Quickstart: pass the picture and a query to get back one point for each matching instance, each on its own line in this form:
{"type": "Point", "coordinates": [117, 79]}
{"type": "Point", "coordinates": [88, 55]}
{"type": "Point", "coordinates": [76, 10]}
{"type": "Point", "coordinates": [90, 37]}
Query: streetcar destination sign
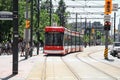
{"type": "Point", "coordinates": [5, 15]}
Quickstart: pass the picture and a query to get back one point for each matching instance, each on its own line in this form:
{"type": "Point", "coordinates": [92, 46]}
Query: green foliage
{"type": "Point", "coordinates": [21, 14]}
{"type": "Point", "coordinates": [5, 26]}
{"type": "Point", "coordinates": [61, 12]}
{"type": "Point", "coordinates": [86, 38]}
{"type": "Point", "coordinates": [3, 4]}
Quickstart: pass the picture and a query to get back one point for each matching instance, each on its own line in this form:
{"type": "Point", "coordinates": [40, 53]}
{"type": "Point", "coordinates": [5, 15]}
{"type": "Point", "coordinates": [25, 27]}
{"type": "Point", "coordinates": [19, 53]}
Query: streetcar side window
{"type": "Point", "coordinates": [65, 40]}
{"type": "Point", "coordinates": [73, 40]}
{"type": "Point", "coordinates": [77, 40]}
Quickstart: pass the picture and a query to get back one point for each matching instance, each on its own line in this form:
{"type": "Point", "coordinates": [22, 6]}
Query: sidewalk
{"type": "Point", "coordinates": [24, 66]}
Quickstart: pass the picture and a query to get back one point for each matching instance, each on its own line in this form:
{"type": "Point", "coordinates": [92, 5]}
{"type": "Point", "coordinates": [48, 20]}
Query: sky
{"type": "Point", "coordinates": [88, 3]}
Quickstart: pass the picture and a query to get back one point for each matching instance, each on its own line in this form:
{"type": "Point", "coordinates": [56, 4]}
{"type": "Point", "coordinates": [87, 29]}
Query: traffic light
{"type": "Point", "coordinates": [93, 30]}
{"type": "Point", "coordinates": [108, 7]}
{"type": "Point", "coordinates": [27, 24]}
{"type": "Point", "coordinates": [107, 25]}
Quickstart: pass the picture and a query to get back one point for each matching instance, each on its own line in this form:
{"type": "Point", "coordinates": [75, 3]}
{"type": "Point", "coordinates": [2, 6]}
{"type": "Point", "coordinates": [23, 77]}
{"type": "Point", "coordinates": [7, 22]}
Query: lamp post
{"type": "Point", "coordinates": [76, 31]}
{"type": "Point", "coordinates": [114, 25]}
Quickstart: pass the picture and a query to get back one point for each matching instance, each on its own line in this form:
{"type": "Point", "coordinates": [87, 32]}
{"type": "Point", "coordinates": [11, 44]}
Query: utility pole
{"type": "Point", "coordinates": [31, 28]}
{"type": "Point", "coordinates": [107, 25]}
{"type": "Point", "coordinates": [114, 25]}
{"type": "Point", "coordinates": [27, 31]}
{"type": "Point", "coordinates": [38, 18]}
{"type": "Point", "coordinates": [76, 31]}
{"type": "Point", "coordinates": [15, 37]}
{"type": "Point", "coordinates": [50, 12]}
{"type": "Point", "coordinates": [106, 45]}
{"type": "Point", "coordinates": [85, 25]}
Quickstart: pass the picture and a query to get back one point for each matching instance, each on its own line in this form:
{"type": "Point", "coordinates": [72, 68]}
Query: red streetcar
{"type": "Point", "coordinates": [60, 40]}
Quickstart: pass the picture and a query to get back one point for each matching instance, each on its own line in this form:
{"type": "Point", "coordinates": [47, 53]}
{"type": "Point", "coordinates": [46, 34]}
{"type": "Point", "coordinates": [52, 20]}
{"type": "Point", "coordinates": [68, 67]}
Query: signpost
{"type": "Point", "coordinates": [108, 10]}
{"type": "Point", "coordinates": [115, 7]}
{"type": "Point", "coordinates": [15, 37]}
{"type": "Point", "coordinates": [6, 15]}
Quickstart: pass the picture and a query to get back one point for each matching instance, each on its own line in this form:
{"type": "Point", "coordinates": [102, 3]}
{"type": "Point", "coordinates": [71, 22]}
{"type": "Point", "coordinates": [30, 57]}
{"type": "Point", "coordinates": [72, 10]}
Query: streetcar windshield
{"type": "Point", "coordinates": [54, 38]}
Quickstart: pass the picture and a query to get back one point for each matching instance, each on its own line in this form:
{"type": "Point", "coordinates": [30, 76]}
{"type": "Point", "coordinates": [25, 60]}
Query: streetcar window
{"type": "Point", "coordinates": [73, 40]}
{"type": "Point", "coordinates": [54, 38]}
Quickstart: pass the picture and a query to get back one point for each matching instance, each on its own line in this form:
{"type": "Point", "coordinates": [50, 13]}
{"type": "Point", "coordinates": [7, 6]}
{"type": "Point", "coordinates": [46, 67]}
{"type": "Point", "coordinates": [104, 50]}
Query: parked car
{"type": "Point", "coordinates": [115, 51]}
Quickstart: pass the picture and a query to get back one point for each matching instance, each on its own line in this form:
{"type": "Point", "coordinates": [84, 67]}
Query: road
{"type": "Point", "coordinates": [87, 65]}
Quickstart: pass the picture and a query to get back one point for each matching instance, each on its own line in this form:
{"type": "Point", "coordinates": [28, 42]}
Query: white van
{"type": "Point", "coordinates": [115, 51]}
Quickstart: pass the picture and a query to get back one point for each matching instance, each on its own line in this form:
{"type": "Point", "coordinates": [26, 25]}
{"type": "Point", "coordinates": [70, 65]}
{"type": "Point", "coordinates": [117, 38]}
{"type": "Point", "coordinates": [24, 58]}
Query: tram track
{"type": "Point", "coordinates": [88, 55]}
{"type": "Point", "coordinates": [51, 69]}
{"type": "Point", "coordinates": [76, 66]}
{"type": "Point", "coordinates": [103, 62]}
{"type": "Point", "coordinates": [71, 69]}
{"type": "Point", "coordinates": [39, 70]}
{"type": "Point", "coordinates": [44, 69]}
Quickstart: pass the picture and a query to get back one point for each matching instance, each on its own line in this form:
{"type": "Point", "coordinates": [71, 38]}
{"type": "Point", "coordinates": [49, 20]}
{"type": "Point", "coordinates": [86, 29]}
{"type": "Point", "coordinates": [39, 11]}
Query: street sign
{"type": "Point", "coordinates": [107, 18]}
{"type": "Point", "coordinates": [115, 7]}
{"type": "Point", "coordinates": [5, 15]}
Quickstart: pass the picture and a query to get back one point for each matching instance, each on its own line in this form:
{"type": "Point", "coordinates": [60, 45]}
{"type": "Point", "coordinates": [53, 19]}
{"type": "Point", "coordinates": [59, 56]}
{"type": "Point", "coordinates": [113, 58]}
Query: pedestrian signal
{"type": "Point", "coordinates": [108, 6]}
{"type": "Point", "coordinates": [27, 24]}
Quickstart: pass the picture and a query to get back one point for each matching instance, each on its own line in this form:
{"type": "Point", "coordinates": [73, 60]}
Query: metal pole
{"type": "Point", "coordinates": [106, 45]}
{"type": "Point", "coordinates": [38, 27]}
{"type": "Point", "coordinates": [15, 37]}
{"type": "Point", "coordinates": [50, 12]}
{"type": "Point", "coordinates": [85, 24]}
{"type": "Point", "coordinates": [26, 31]}
{"type": "Point", "coordinates": [89, 32]}
{"type": "Point", "coordinates": [85, 43]}
{"type": "Point", "coordinates": [31, 28]}
{"type": "Point", "coordinates": [38, 13]}
{"type": "Point", "coordinates": [89, 35]}
{"type": "Point", "coordinates": [75, 33]}
{"type": "Point", "coordinates": [114, 25]}
{"type": "Point", "coordinates": [60, 19]}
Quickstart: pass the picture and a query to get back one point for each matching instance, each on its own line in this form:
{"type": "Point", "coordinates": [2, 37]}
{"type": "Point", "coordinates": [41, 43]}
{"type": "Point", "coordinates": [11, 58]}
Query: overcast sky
{"type": "Point", "coordinates": [94, 2]}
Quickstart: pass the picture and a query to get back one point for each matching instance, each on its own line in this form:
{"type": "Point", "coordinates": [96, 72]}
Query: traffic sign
{"type": "Point", "coordinates": [106, 18]}
{"type": "Point", "coordinates": [115, 7]}
{"type": "Point", "coordinates": [5, 15]}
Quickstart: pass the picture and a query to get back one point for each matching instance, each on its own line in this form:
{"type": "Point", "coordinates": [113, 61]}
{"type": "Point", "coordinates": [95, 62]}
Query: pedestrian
{"type": "Point", "coordinates": [22, 47]}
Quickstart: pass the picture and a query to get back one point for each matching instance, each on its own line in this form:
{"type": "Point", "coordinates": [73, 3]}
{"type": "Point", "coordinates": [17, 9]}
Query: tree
{"type": "Point", "coordinates": [21, 22]}
{"type": "Point", "coordinates": [61, 13]}
{"type": "Point", "coordinates": [5, 26]}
